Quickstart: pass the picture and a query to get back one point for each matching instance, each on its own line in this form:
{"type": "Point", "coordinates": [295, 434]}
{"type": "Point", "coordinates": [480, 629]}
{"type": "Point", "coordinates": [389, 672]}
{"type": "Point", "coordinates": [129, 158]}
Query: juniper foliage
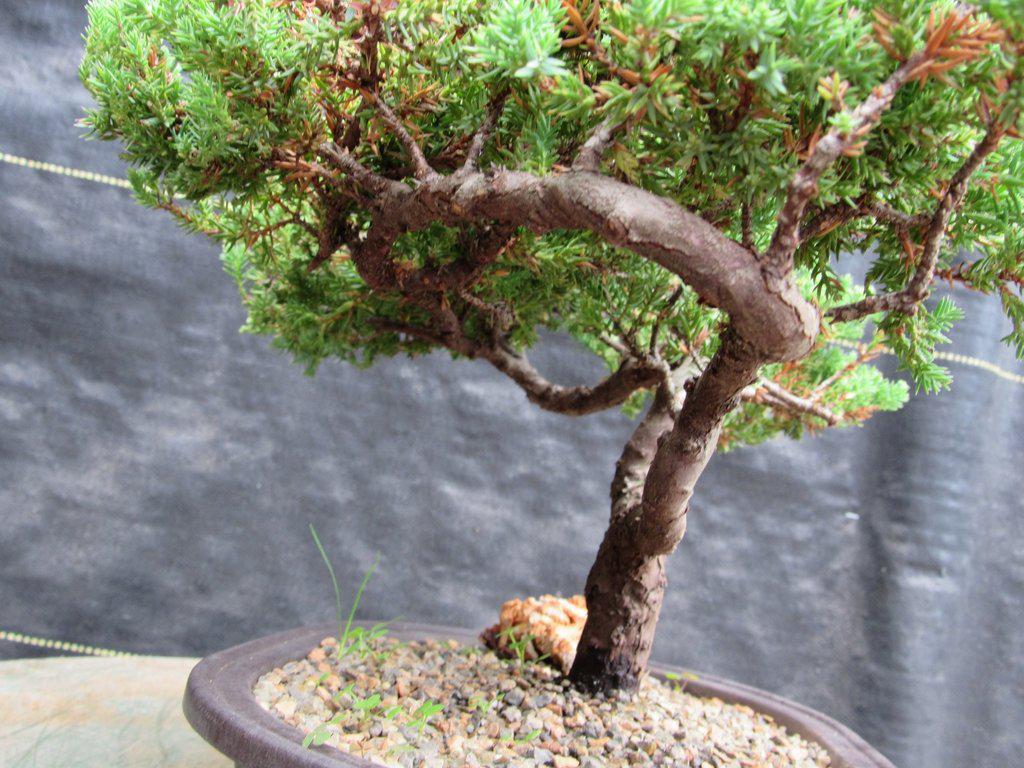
{"type": "Point", "coordinates": [222, 108]}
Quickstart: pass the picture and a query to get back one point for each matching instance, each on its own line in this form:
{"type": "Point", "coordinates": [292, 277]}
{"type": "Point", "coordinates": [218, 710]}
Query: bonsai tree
{"type": "Point", "coordinates": [673, 183]}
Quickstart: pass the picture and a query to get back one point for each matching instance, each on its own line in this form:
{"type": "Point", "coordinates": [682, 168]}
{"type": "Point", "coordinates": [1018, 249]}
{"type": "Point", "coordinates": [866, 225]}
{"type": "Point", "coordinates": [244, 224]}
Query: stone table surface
{"type": "Point", "coordinates": [75, 712]}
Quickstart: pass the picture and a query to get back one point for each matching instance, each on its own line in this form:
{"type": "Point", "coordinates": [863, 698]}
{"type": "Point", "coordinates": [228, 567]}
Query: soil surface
{"type": "Point", "coordinates": [431, 704]}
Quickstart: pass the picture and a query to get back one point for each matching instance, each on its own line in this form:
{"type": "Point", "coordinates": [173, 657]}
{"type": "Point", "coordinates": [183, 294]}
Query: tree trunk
{"type": "Point", "coordinates": [625, 587]}
{"type": "Point", "coordinates": [653, 484]}
{"type": "Point", "coordinates": [624, 593]}
{"type": "Point", "coordinates": [769, 321]}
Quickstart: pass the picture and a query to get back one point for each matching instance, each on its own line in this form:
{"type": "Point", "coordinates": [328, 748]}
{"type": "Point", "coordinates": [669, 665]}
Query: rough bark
{"type": "Point", "coordinates": [614, 390]}
{"type": "Point", "coordinates": [624, 588]}
{"type": "Point", "coordinates": [765, 307]}
{"type": "Point", "coordinates": [624, 595]}
{"type": "Point", "coordinates": [626, 584]}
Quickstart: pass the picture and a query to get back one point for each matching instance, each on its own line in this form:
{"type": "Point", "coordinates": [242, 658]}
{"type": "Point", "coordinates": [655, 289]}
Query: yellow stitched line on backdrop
{"type": "Point", "coordinates": [952, 357]}
{"type": "Point", "coordinates": [63, 170]}
{"type": "Point", "coordinates": [985, 365]}
{"type": "Point", "coordinates": [100, 178]}
{"type": "Point", "coordinates": [59, 645]}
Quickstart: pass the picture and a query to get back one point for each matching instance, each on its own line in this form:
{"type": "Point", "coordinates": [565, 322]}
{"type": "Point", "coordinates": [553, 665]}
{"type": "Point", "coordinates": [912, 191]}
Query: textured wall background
{"type": "Point", "coordinates": [158, 471]}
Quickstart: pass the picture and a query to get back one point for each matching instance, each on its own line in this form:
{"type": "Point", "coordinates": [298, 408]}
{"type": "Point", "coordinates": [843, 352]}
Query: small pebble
{"type": "Point", "coordinates": [543, 757]}
{"type": "Point", "coordinates": [515, 697]}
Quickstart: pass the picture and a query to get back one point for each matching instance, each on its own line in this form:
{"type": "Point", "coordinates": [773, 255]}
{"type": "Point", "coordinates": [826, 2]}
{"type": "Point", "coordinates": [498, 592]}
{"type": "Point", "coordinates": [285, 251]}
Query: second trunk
{"type": "Point", "coordinates": [624, 593]}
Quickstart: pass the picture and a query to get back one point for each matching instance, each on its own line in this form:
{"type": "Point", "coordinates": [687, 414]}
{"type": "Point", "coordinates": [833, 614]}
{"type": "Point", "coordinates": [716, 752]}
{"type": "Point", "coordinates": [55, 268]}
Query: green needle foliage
{"type": "Point", "coordinates": [221, 108]}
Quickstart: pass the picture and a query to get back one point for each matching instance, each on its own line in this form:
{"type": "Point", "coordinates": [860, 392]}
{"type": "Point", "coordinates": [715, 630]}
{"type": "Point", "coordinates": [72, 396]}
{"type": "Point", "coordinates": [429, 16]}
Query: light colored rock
{"type": "Point", "coordinates": [552, 625]}
{"type": "Point", "coordinates": [286, 707]}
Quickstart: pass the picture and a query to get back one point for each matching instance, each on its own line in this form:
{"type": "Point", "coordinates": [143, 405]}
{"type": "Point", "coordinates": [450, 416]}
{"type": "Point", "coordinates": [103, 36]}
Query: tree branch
{"type": "Point", "coordinates": [613, 390]}
{"type": "Point", "coordinates": [635, 461]}
{"type": "Point", "coordinates": [593, 149]}
{"type": "Point", "coordinates": [804, 186]}
{"type": "Point", "coordinates": [961, 274]}
{"type": "Point", "coordinates": [832, 216]}
{"type": "Point", "coordinates": [770, 314]}
{"type": "Point", "coordinates": [421, 168]}
{"type": "Point", "coordinates": [828, 219]}
{"type": "Point", "coordinates": [684, 453]}
{"type": "Point", "coordinates": [372, 182]}
{"type": "Point", "coordinates": [888, 214]}
{"type": "Point", "coordinates": [483, 134]}
{"type": "Point", "coordinates": [919, 287]}
{"type": "Point", "coordinates": [747, 226]}
{"type": "Point", "coordinates": [771, 393]}
{"type": "Point", "coordinates": [769, 318]}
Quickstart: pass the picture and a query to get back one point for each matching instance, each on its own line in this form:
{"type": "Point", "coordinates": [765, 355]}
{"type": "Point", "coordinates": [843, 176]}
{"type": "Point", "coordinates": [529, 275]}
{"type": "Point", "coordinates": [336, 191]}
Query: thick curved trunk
{"type": "Point", "coordinates": [765, 306]}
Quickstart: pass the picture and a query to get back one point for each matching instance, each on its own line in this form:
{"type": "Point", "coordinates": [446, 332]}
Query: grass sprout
{"type": "Point", "coordinates": [350, 637]}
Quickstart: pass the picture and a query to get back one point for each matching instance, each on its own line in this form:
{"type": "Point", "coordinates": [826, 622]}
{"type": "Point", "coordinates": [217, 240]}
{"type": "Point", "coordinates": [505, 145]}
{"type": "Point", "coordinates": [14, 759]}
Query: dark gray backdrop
{"type": "Point", "coordinates": [158, 471]}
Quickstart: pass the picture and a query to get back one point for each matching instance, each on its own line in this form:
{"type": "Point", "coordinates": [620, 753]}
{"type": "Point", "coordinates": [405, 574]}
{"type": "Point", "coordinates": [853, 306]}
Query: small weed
{"type": "Point", "coordinates": [350, 637]}
{"type": "Point", "coordinates": [422, 715]}
{"type": "Point", "coordinates": [355, 604]}
{"type": "Point", "coordinates": [483, 705]}
{"type": "Point", "coordinates": [330, 570]}
{"type": "Point", "coordinates": [348, 690]}
{"type": "Point", "coordinates": [365, 706]}
{"type": "Point", "coordinates": [360, 641]}
{"type": "Point", "coordinates": [319, 735]}
{"type": "Point", "coordinates": [519, 645]}
{"type": "Point", "coordinates": [675, 677]}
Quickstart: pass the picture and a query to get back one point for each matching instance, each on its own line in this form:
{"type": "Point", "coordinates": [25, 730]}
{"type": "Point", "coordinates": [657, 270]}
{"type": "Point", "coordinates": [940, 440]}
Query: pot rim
{"type": "Point", "coordinates": [220, 706]}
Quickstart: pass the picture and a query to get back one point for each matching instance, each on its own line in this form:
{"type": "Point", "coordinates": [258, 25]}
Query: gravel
{"type": "Point", "coordinates": [377, 701]}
